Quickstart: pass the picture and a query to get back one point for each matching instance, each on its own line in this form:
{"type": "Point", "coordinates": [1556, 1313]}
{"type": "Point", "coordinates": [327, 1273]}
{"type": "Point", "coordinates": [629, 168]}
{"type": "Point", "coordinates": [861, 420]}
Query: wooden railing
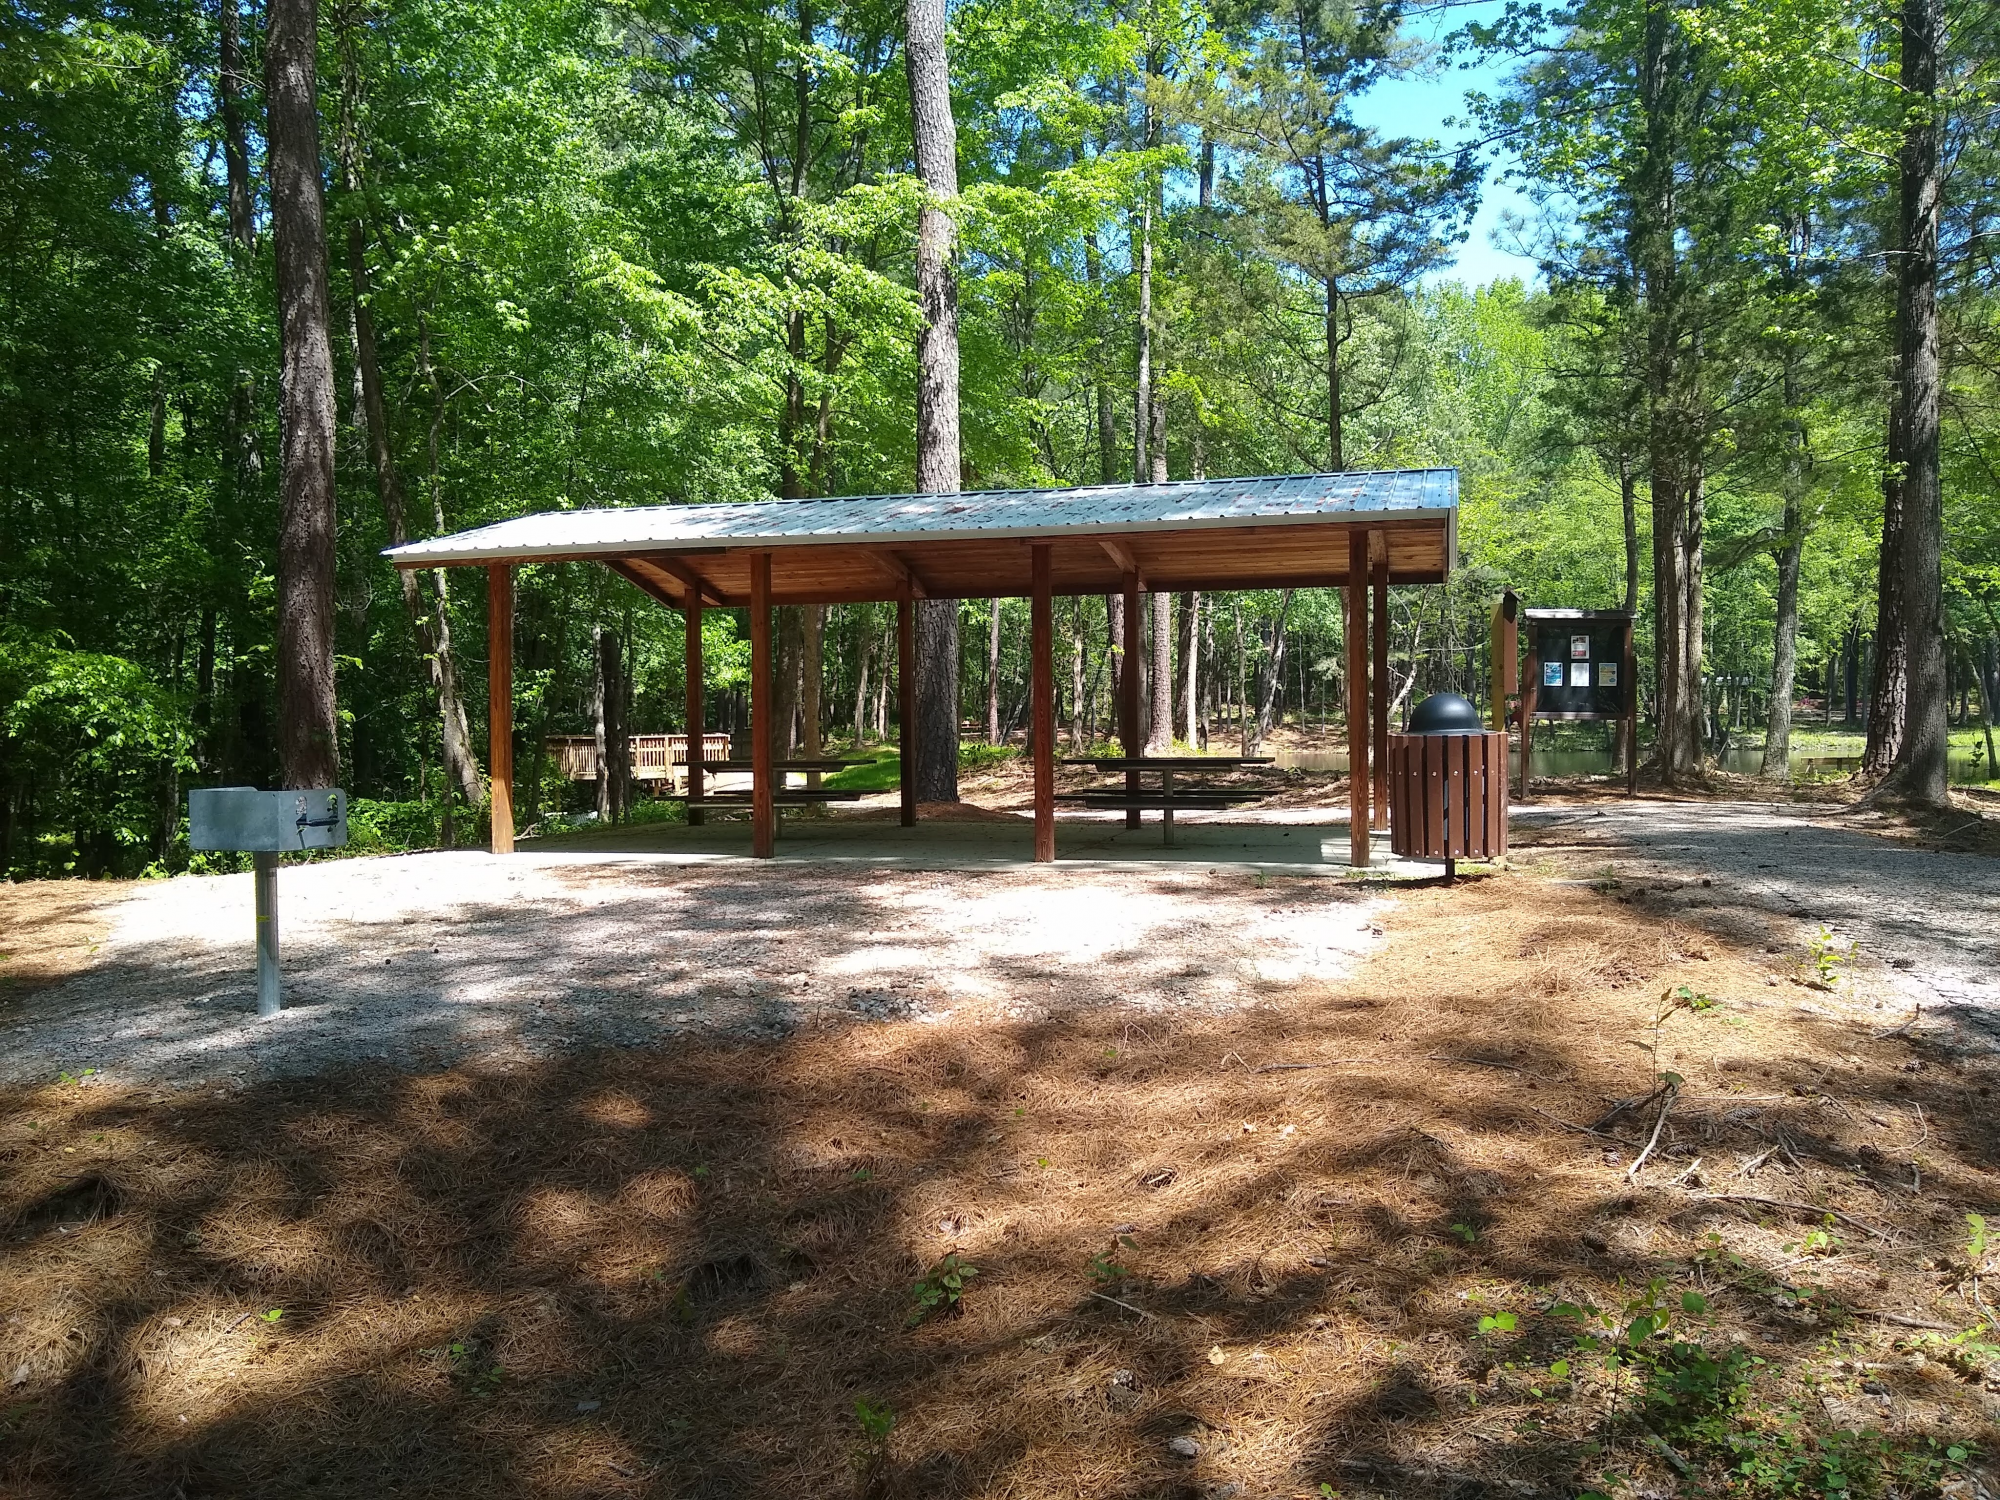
{"type": "Point", "coordinates": [655, 757]}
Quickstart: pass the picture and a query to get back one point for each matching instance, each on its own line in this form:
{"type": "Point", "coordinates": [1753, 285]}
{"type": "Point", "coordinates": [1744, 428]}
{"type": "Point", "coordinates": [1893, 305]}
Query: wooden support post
{"type": "Point", "coordinates": [763, 805]}
{"type": "Point", "coordinates": [1530, 689]}
{"type": "Point", "coordinates": [1378, 760]}
{"type": "Point", "coordinates": [1131, 741]}
{"type": "Point", "coordinates": [1041, 648]}
{"type": "Point", "coordinates": [906, 702]}
{"type": "Point", "coordinates": [1630, 658]}
{"type": "Point", "coordinates": [697, 711]}
{"type": "Point", "coordinates": [1504, 669]}
{"type": "Point", "coordinates": [1357, 698]}
{"type": "Point", "coordinates": [500, 701]}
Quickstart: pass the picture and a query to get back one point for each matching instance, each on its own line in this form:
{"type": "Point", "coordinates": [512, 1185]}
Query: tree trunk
{"type": "Point", "coordinates": [812, 684]}
{"type": "Point", "coordinates": [993, 677]}
{"type": "Point", "coordinates": [1785, 648]}
{"type": "Point", "coordinates": [1919, 772]}
{"type": "Point", "coordinates": [602, 644]}
{"type": "Point", "coordinates": [433, 636]}
{"type": "Point", "coordinates": [1114, 626]}
{"type": "Point", "coordinates": [1142, 406]}
{"type": "Point", "coordinates": [1275, 673]}
{"type": "Point", "coordinates": [1628, 493]}
{"type": "Point", "coordinates": [936, 140]}
{"type": "Point", "coordinates": [1185, 710]}
{"type": "Point", "coordinates": [1336, 456]}
{"type": "Point", "coordinates": [1076, 681]}
{"type": "Point", "coordinates": [1160, 725]}
{"type": "Point", "coordinates": [309, 728]}
{"type": "Point", "coordinates": [1889, 677]}
{"type": "Point", "coordinates": [1107, 421]}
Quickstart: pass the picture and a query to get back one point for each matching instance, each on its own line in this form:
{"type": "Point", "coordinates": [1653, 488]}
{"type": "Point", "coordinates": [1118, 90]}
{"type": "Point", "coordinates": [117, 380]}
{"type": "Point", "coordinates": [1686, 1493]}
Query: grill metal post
{"type": "Point", "coordinates": [270, 985]}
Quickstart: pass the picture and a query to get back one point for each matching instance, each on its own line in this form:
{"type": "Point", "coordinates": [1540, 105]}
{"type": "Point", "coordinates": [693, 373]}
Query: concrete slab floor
{"type": "Point", "coordinates": [1297, 847]}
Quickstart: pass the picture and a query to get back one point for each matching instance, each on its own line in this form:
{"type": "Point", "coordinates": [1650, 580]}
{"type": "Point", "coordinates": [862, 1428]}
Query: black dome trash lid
{"type": "Point", "coordinates": [1445, 713]}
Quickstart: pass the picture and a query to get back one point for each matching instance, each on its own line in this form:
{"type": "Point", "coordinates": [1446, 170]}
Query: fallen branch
{"type": "Point", "coordinates": [1915, 1016]}
{"type": "Point", "coordinates": [1903, 1322]}
{"type": "Point", "coordinates": [1625, 1106]}
{"type": "Point", "coordinates": [1487, 1062]}
{"type": "Point", "coordinates": [1602, 1135]}
{"type": "Point", "coordinates": [1126, 1305]}
{"type": "Point", "coordinates": [1298, 1067]}
{"type": "Point", "coordinates": [1803, 1208]}
{"type": "Point", "coordinates": [1658, 1125]}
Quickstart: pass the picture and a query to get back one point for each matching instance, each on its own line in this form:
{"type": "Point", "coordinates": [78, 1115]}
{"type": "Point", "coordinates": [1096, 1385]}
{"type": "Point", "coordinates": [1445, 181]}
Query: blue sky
{"type": "Point", "coordinates": [1419, 104]}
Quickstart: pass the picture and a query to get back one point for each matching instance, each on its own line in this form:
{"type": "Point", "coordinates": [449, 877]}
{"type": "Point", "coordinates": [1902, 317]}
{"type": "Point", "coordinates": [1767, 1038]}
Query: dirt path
{"type": "Point", "coordinates": [429, 959]}
{"type": "Point", "coordinates": [1929, 921]}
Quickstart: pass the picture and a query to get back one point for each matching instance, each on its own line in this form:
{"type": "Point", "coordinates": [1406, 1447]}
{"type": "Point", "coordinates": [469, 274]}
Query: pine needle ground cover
{"type": "Point", "coordinates": [1380, 1236]}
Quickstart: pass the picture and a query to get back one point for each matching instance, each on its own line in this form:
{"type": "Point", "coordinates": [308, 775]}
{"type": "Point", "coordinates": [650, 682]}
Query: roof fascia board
{"type": "Point", "coordinates": [1387, 520]}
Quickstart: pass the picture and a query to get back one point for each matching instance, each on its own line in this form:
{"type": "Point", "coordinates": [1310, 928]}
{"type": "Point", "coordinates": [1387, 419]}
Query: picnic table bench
{"type": "Point", "coordinates": [781, 795]}
{"type": "Point", "coordinates": [1134, 797]}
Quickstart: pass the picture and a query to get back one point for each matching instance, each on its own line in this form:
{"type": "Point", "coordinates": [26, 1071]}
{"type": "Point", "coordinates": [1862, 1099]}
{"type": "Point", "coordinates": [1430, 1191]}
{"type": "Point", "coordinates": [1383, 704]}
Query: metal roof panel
{"type": "Point", "coordinates": [1108, 509]}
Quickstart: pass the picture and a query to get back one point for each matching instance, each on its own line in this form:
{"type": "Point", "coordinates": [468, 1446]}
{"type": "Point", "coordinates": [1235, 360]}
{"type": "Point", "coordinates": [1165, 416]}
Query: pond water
{"type": "Point", "coordinates": [1740, 760]}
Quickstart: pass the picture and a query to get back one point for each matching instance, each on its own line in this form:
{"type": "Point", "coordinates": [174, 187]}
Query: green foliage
{"type": "Point", "coordinates": [1826, 956]}
{"type": "Point", "coordinates": [940, 1291]}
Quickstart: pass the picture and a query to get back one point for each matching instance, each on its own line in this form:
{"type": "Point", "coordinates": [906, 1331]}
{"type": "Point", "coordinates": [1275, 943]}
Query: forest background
{"type": "Point", "coordinates": [586, 255]}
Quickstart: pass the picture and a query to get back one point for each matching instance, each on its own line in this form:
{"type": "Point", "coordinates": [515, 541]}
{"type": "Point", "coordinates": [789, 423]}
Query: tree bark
{"type": "Point", "coordinates": [1185, 685]}
{"type": "Point", "coordinates": [1785, 647]}
{"type": "Point", "coordinates": [601, 642]}
{"type": "Point", "coordinates": [1628, 494]}
{"type": "Point", "coordinates": [1160, 725]}
{"type": "Point", "coordinates": [1919, 772]}
{"type": "Point", "coordinates": [1142, 405]}
{"type": "Point", "coordinates": [433, 635]}
{"type": "Point", "coordinates": [308, 733]}
{"type": "Point", "coordinates": [936, 140]}
{"type": "Point", "coordinates": [993, 677]}
{"type": "Point", "coordinates": [1336, 452]}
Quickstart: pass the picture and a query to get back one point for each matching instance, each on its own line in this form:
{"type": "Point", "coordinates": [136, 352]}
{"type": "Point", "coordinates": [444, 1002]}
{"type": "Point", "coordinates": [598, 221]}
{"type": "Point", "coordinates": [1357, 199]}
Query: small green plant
{"type": "Point", "coordinates": [1104, 1270]}
{"type": "Point", "coordinates": [1693, 998]}
{"type": "Point", "coordinates": [273, 1316]}
{"type": "Point", "coordinates": [1500, 1322]}
{"type": "Point", "coordinates": [940, 1292]}
{"type": "Point", "coordinates": [701, 1172]}
{"type": "Point", "coordinates": [68, 1077]}
{"type": "Point", "coordinates": [472, 1368]}
{"type": "Point", "coordinates": [1466, 1232]}
{"type": "Point", "coordinates": [863, 1174]}
{"type": "Point", "coordinates": [1826, 955]}
{"type": "Point", "coordinates": [877, 1422]}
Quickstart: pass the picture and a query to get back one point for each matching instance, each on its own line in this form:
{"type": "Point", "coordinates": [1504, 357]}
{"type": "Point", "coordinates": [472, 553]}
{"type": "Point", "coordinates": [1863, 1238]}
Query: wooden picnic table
{"type": "Point", "coordinates": [1135, 798]}
{"type": "Point", "coordinates": [785, 765]}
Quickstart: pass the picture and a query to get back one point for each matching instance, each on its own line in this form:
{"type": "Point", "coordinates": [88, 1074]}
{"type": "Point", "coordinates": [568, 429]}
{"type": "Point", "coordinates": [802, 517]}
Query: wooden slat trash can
{"type": "Point", "coordinates": [1448, 785]}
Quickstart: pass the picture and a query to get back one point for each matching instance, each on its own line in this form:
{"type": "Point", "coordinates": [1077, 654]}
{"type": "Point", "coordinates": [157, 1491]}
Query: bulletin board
{"type": "Point", "coordinates": [1580, 661]}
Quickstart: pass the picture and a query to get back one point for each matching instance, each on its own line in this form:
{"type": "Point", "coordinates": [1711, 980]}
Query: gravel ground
{"type": "Point", "coordinates": [1928, 922]}
{"type": "Point", "coordinates": [427, 959]}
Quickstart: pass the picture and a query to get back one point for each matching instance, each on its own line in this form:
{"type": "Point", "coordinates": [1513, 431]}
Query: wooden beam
{"type": "Point", "coordinates": [697, 711]}
{"type": "Point", "coordinates": [1504, 669]}
{"type": "Point", "coordinates": [500, 702]}
{"type": "Point", "coordinates": [1378, 760]}
{"type": "Point", "coordinates": [650, 587]}
{"type": "Point", "coordinates": [899, 569]}
{"type": "Point", "coordinates": [763, 809]}
{"type": "Point", "coordinates": [1357, 699]}
{"type": "Point", "coordinates": [674, 567]}
{"type": "Point", "coordinates": [1041, 672]}
{"type": "Point", "coordinates": [1121, 554]}
{"type": "Point", "coordinates": [1130, 741]}
{"type": "Point", "coordinates": [906, 705]}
